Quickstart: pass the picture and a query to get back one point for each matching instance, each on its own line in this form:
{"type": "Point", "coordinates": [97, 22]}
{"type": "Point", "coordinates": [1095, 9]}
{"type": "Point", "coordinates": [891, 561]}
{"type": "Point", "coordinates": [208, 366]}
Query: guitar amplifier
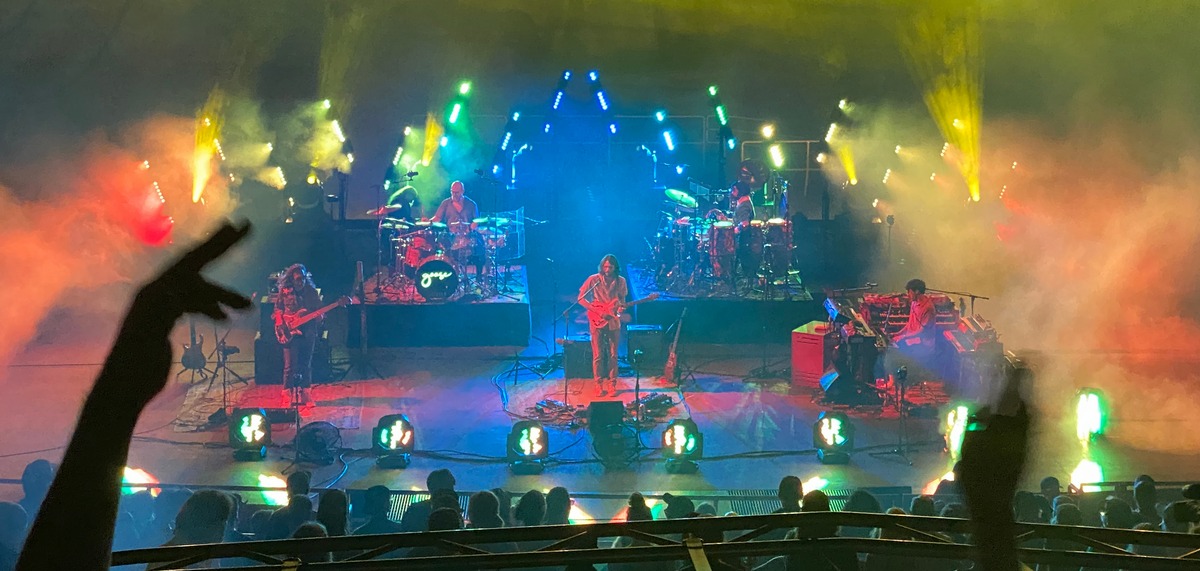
{"type": "Point", "coordinates": [577, 356]}
{"type": "Point", "coordinates": [649, 340]}
{"type": "Point", "coordinates": [268, 360]}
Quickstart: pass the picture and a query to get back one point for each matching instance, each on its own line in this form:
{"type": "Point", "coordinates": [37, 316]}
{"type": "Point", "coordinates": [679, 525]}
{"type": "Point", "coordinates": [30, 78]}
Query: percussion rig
{"type": "Point", "coordinates": [699, 251]}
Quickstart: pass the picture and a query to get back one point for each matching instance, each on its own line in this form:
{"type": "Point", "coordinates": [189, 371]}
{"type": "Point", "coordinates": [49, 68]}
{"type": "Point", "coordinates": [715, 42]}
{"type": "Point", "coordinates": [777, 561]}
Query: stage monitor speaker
{"type": "Point", "coordinates": [606, 420]}
{"type": "Point", "coordinates": [649, 340]}
{"type": "Point", "coordinates": [577, 357]}
{"type": "Point", "coordinates": [603, 414]}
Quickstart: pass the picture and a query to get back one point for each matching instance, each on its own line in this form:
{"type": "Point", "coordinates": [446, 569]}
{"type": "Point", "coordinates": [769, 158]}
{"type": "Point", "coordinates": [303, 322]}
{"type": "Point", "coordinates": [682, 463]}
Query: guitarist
{"type": "Point", "coordinates": [298, 294]}
{"type": "Point", "coordinates": [606, 288]}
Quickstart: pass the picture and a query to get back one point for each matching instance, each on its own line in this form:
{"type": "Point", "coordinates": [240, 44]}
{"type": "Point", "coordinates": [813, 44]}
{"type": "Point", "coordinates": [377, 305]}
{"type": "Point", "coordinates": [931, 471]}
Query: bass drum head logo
{"type": "Point", "coordinates": [436, 278]}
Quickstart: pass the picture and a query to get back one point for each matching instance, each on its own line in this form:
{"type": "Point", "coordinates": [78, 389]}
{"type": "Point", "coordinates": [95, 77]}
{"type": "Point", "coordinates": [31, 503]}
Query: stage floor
{"type": "Point", "coordinates": [755, 431]}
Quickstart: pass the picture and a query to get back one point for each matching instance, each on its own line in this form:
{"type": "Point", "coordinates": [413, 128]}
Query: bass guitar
{"type": "Point", "coordinates": [287, 325]}
{"type": "Point", "coordinates": [671, 369]}
{"type": "Point", "coordinates": [602, 315]}
{"type": "Point", "coordinates": [193, 358]}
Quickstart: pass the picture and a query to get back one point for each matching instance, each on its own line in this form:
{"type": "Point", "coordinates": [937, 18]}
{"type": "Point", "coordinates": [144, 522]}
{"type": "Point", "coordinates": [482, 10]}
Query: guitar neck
{"type": "Point", "coordinates": [643, 300]}
{"type": "Point", "coordinates": [318, 313]}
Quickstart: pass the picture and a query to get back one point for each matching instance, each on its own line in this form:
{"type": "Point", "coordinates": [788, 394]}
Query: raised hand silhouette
{"type": "Point", "coordinates": [994, 451]}
{"type": "Point", "coordinates": [74, 527]}
{"type": "Point", "coordinates": [142, 353]}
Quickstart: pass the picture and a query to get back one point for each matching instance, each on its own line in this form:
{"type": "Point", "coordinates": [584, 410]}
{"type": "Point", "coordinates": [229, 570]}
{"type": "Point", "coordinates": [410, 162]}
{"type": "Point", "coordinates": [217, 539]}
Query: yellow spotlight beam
{"type": "Point", "coordinates": [208, 129]}
{"type": "Point", "coordinates": [942, 48]}
{"type": "Point", "coordinates": [433, 138]}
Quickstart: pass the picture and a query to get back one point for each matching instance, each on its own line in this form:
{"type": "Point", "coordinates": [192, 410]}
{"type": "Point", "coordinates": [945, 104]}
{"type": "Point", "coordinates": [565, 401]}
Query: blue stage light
{"type": "Point", "coordinates": [516, 115]}
{"type": "Point", "coordinates": [507, 139]}
{"type": "Point", "coordinates": [678, 169]}
{"type": "Point", "coordinates": [660, 116]}
{"type": "Point", "coordinates": [557, 99]}
{"type": "Point", "coordinates": [495, 169]}
{"type": "Point", "coordinates": [446, 140]}
{"type": "Point", "coordinates": [592, 75]}
{"type": "Point", "coordinates": [547, 129]}
{"type": "Point", "coordinates": [731, 143]}
{"type": "Point", "coordinates": [603, 102]}
{"type": "Point", "coordinates": [612, 127]}
{"type": "Point", "coordinates": [567, 75]}
{"type": "Point", "coordinates": [670, 141]}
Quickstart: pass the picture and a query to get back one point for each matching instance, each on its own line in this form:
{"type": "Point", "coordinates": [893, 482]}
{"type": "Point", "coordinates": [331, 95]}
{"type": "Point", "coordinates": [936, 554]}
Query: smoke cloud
{"type": "Point", "coordinates": [1084, 247]}
{"type": "Point", "coordinates": [93, 218]}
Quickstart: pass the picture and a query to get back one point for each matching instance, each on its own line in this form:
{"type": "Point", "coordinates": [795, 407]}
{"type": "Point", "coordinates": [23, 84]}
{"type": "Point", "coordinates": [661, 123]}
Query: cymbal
{"type": "Point", "coordinates": [384, 210]}
{"type": "Point", "coordinates": [395, 224]}
{"type": "Point", "coordinates": [491, 221]}
{"type": "Point", "coordinates": [681, 198]}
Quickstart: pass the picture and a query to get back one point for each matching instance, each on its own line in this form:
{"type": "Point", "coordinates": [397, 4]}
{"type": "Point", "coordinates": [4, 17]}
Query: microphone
{"type": "Point", "coordinates": [411, 174]}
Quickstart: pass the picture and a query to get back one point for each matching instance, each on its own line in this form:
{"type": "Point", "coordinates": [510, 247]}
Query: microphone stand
{"type": "Point", "coordinates": [567, 334]}
{"type": "Point", "coordinates": [961, 294]}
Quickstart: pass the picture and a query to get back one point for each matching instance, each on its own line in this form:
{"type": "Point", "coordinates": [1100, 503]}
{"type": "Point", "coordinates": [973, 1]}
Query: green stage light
{"type": "Point", "coordinates": [954, 428]}
{"type": "Point", "coordinates": [1091, 414]}
{"type": "Point", "coordinates": [249, 433]}
{"type": "Point", "coordinates": [393, 440]}
{"type": "Point", "coordinates": [682, 445]}
{"type": "Point", "coordinates": [776, 153]}
{"type": "Point", "coordinates": [528, 447]}
{"type": "Point", "coordinates": [833, 437]}
{"type": "Point", "coordinates": [464, 88]}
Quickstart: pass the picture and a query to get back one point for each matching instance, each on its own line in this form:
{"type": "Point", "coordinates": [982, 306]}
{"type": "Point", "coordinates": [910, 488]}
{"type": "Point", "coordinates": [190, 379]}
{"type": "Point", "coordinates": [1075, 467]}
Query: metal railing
{"type": "Point", "coordinates": [675, 540]}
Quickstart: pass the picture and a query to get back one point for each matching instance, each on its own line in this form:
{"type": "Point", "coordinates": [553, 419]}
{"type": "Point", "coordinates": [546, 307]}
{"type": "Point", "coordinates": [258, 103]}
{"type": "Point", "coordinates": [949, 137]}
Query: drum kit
{"type": "Point", "coordinates": [700, 254]}
{"type": "Point", "coordinates": [431, 259]}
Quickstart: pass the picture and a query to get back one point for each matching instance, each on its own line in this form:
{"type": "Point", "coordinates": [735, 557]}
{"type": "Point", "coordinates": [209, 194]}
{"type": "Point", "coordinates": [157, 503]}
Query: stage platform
{"type": "Point", "coordinates": [464, 321]}
{"type": "Point", "coordinates": [726, 317]}
{"type": "Point", "coordinates": [463, 404]}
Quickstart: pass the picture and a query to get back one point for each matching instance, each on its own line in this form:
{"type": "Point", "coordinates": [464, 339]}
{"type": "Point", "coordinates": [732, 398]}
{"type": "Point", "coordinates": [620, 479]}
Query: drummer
{"type": "Point", "coordinates": [458, 212]}
{"type": "Point", "coordinates": [405, 204]}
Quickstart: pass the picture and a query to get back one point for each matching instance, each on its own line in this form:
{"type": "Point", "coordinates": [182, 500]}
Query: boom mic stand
{"type": "Point", "coordinates": [961, 294]}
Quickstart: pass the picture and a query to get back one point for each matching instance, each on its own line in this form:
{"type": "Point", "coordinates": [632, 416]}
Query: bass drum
{"type": "Point", "coordinates": [437, 278]}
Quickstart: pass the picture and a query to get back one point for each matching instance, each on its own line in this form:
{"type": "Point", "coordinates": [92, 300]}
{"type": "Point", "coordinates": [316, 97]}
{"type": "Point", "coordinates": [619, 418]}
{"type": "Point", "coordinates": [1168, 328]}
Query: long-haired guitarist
{"type": "Point", "coordinates": [297, 294]}
{"type": "Point", "coordinates": [607, 290]}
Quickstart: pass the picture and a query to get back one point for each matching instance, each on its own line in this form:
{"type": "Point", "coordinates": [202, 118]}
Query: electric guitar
{"type": "Point", "coordinates": [287, 325]}
{"type": "Point", "coordinates": [193, 358]}
{"type": "Point", "coordinates": [601, 315]}
{"type": "Point", "coordinates": [669, 371]}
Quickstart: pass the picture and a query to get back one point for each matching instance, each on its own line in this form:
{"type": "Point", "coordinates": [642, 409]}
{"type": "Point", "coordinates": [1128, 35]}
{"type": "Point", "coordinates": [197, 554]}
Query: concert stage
{"type": "Point", "coordinates": [499, 320]}
{"type": "Point", "coordinates": [747, 319]}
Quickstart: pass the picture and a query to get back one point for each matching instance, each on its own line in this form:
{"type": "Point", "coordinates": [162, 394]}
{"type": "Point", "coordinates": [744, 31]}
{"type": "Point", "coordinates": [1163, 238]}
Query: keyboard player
{"type": "Point", "coordinates": [913, 346]}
